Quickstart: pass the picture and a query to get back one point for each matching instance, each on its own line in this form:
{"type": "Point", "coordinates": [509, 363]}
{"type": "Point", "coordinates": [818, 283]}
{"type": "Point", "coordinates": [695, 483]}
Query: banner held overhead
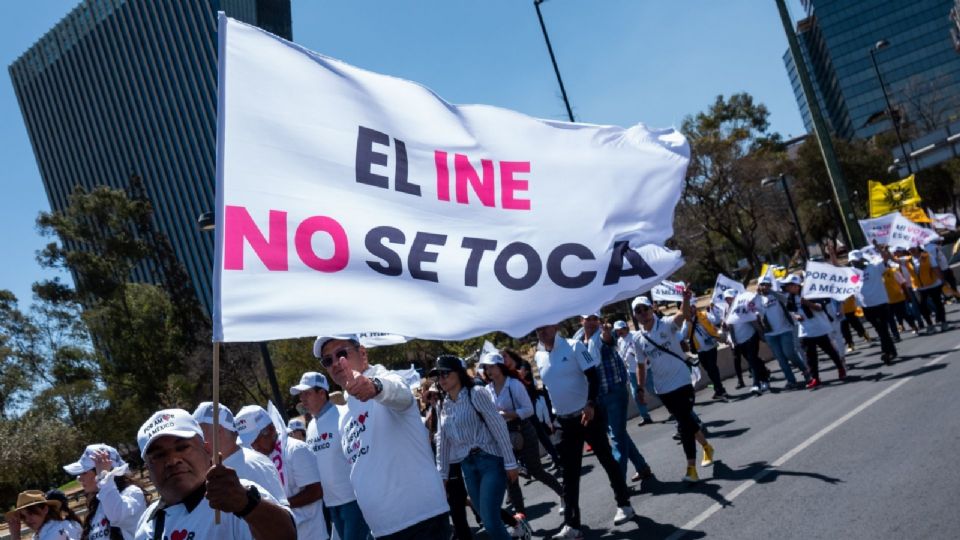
{"type": "Point", "coordinates": [349, 201]}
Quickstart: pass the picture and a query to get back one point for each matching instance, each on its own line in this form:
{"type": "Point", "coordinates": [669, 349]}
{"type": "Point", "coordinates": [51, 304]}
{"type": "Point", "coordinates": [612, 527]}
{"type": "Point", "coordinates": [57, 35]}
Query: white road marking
{"type": "Point", "coordinates": [747, 484]}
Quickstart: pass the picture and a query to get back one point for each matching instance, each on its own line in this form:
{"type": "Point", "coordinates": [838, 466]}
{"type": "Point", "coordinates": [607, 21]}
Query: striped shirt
{"type": "Point", "coordinates": [612, 369]}
{"type": "Point", "coordinates": [461, 430]}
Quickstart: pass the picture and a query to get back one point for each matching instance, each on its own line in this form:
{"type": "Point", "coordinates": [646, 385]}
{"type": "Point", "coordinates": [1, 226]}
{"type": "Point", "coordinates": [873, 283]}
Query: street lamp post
{"type": "Point", "coordinates": [782, 178]}
{"type": "Point", "coordinates": [886, 98]}
{"type": "Point", "coordinates": [207, 223]}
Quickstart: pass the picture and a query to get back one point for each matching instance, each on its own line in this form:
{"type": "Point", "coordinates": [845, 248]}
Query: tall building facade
{"type": "Point", "coordinates": [919, 65]}
{"type": "Point", "coordinates": [129, 87]}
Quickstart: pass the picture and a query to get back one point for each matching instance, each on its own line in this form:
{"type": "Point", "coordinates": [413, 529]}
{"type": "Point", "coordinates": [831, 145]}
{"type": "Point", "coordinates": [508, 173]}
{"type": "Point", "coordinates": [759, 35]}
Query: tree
{"type": "Point", "coordinates": [14, 383]}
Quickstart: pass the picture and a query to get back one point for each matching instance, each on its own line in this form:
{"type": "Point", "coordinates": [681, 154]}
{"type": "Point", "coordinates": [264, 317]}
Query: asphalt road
{"type": "Point", "coordinates": [873, 457]}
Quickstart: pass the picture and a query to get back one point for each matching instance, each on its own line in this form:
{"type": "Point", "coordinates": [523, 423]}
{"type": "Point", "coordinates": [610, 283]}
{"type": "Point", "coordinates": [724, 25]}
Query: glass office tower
{"type": "Point", "coordinates": [129, 87]}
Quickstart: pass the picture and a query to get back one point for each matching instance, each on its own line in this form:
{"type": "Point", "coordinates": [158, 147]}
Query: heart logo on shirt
{"type": "Point", "coordinates": [363, 417]}
{"type": "Point", "coordinates": [179, 535]}
{"type": "Point", "coordinates": [104, 522]}
{"type": "Point", "coordinates": [323, 436]}
{"type": "Point", "coordinates": [854, 278]}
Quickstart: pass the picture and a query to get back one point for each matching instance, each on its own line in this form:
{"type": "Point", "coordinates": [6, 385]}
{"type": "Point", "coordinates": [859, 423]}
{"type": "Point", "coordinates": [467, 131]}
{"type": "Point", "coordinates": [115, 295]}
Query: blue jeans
{"type": "Point", "coordinates": [614, 403]}
{"type": "Point", "coordinates": [349, 521]}
{"type": "Point", "coordinates": [784, 347]}
{"type": "Point", "coordinates": [641, 407]}
{"type": "Point", "coordinates": [486, 484]}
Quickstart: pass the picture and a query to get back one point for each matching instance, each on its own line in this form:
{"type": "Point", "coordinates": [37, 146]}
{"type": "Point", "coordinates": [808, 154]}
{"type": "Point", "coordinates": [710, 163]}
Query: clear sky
{"type": "Point", "coordinates": [622, 61]}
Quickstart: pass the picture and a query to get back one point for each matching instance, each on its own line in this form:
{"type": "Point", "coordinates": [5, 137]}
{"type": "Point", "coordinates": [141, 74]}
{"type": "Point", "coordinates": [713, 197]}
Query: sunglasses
{"type": "Point", "coordinates": [339, 354]}
{"type": "Point", "coordinates": [443, 374]}
{"type": "Point", "coordinates": [642, 308]}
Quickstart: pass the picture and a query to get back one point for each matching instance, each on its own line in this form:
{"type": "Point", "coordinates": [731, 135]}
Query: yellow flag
{"type": "Point", "coordinates": [915, 214]}
{"type": "Point", "coordinates": [886, 198]}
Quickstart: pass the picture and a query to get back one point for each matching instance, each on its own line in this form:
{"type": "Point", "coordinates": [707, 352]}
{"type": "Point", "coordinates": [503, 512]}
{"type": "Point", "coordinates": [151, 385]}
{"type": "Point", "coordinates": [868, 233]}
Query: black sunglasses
{"type": "Point", "coordinates": [339, 354]}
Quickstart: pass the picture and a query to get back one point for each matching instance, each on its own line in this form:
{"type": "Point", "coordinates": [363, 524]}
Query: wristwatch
{"type": "Point", "coordinates": [377, 385]}
{"type": "Point", "coordinates": [253, 499]}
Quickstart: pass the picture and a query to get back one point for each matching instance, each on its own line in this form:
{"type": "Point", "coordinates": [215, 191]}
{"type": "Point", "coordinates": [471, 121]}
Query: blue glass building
{"type": "Point", "coordinates": [129, 87]}
{"type": "Point", "coordinates": [919, 65]}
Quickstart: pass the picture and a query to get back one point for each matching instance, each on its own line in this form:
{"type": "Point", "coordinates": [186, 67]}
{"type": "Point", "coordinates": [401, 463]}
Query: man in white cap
{"type": "Point", "coordinates": [873, 298]}
{"type": "Point", "coordinates": [297, 429]}
{"type": "Point", "coordinates": [614, 395]}
{"type": "Point", "coordinates": [249, 465]}
{"type": "Point", "coordinates": [392, 468]}
{"type": "Point", "coordinates": [780, 333]}
{"type": "Point", "coordinates": [745, 337]}
{"type": "Point", "coordinates": [629, 356]}
{"type": "Point", "coordinates": [323, 439]}
{"type": "Point", "coordinates": [570, 374]}
{"type": "Point", "coordinates": [295, 464]}
{"type": "Point", "coordinates": [192, 487]}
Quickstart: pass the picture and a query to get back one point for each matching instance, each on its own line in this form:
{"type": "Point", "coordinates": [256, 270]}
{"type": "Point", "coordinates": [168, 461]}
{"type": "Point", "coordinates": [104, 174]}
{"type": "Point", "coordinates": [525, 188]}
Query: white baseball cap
{"type": "Point", "coordinates": [593, 314]}
{"type": "Point", "coordinates": [322, 340]}
{"type": "Point", "coordinates": [729, 293]}
{"type": "Point", "coordinates": [765, 280]}
{"type": "Point", "coordinates": [296, 423]}
{"type": "Point", "coordinates": [173, 422]}
{"type": "Point", "coordinates": [250, 421]}
{"type": "Point", "coordinates": [792, 279]}
{"type": "Point", "coordinates": [641, 301]}
{"type": "Point", "coordinates": [855, 255]}
{"type": "Point", "coordinates": [619, 324]}
{"type": "Point", "coordinates": [491, 358]}
{"type": "Point", "coordinates": [204, 415]}
{"type": "Point", "coordinates": [308, 380]}
{"type": "Point", "coordinates": [86, 463]}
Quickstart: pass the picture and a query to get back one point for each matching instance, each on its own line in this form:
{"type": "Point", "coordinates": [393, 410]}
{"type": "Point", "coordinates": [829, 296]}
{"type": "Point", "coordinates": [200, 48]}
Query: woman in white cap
{"type": "Point", "coordinates": [512, 400]}
{"type": "Point", "coordinates": [41, 515]}
{"type": "Point", "coordinates": [815, 327]}
{"type": "Point", "coordinates": [115, 501]}
{"type": "Point", "coordinates": [297, 429]}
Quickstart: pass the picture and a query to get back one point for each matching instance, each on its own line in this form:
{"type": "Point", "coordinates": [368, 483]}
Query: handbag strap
{"type": "Point", "coordinates": [686, 361]}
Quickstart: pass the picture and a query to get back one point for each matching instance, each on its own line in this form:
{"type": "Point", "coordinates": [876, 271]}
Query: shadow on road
{"type": "Point", "coordinates": [657, 487]}
{"type": "Point", "coordinates": [728, 433]}
{"type": "Point", "coordinates": [645, 528]}
{"type": "Point", "coordinates": [918, 371]}
{"type": "Point", "coordinates": [763, 473]}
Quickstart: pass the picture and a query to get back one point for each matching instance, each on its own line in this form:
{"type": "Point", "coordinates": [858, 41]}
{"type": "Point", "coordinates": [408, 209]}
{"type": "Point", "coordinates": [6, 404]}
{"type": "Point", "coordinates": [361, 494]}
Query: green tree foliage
{"type": "Point", "coordinates": [35, 447]}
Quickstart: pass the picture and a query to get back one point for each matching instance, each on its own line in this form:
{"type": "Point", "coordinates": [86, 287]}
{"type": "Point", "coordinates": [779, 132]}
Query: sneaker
{"type": "Point", "coordinates": [570, 533]}
{"type": "Point", "coordinates": [814, 382]}
{"type": "Point", "coordinates": [676, 436]}
{"type": "Point", "coordinates": [756, 390]}
{"type": "Point", "coordinates": [841, 373]}
{"type": "Point", "coordinates": [944, 326]}
{"type": "Point", "coordinates": [719, 395]}
{"type": "Point", "coordinates": [764, 387]}
{"type": "Point", "coordinates": [707, 456]}
{"type": "Point", "coordinates": [850, 349]}
{"type": "Point", "coordinates": [624, 514]}
{"type": "Point", "coordinates": [886, 358]}
{"type": "Point", "coordinates": [740, 385]}
{"type": "Point", "coordinates": [643, 474]}
{"type": "Point", "coordinates": [691, 475]}
{"type": "Point", "coordinates": [522, 529]}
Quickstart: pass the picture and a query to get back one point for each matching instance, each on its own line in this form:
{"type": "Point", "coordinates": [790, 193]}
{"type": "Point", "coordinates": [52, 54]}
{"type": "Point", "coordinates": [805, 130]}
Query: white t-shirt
{"type": "Point", "coordinates": [817, 325]}
{"type": "Point", "coordinates": [116, 509]}
{"type": "Point", "coordinates": [393, 471]}
{"type": "Point", "coordinates": [259, 469]}
{"type": "Point", "coordinates": [301, 467]}
{"type": "Point", "coordinates": [513, 398]}
{"type": "Point", "coordinates": [323, 439]}
{"type": "Point", "coordinates": [562, 373]}
{"type": "Point", "coordinates": [181, 524]}
{"type": "Point", "coordinates": [625, 348]}
{"type": "Point", "coordinates": [774, 309]}
{"type": "Point", "coordinates": [669, 372]}
{"type": "Point", "coordinates": [59, 530]}
{"type": "Point", "coordinates": [873, 292]}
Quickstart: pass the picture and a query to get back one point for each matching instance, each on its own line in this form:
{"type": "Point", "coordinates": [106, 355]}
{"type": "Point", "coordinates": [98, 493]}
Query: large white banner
{"type": "Point", "coordinates": [906, 234]}
{"type": "Point", "coordinates": [946, 221]}
{"type": "Point", "coordinates": [722, 284]}
{"type": "Point", "coordinates": [745, 308]}
{"type": "Point", "coordinates": [349, 201]}
{"type": "Point", "coordinates": [877, 230]}
{"type": "Point", "coordinates": [823, 280]}
{"type": "Point", "coordinates": [668, 291]}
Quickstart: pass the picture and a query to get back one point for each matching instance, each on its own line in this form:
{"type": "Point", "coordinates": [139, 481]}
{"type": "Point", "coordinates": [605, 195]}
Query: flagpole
{"type": "Point", "coordinates": [215, 443]}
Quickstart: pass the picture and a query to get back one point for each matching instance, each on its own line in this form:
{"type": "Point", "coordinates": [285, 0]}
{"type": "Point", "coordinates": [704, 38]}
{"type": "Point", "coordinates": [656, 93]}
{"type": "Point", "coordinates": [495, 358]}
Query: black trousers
{"type": "Point", "coordinates": [457, 499]}
{"type": "Point", "coordinates": [810, 345]}
{"type": "Point", "coordinates": [435, 528]}
{"type": "Point", "coordinates": [933, 296]}
{"type": "Point", "coordinates": [708, 360]}
{"type": "Point", "coordinates": [571, 456]}
{"type": "Point", "coordinates": [680, 404]}
{"type": "Point", "coordinates": [881, 319]}
{"type": "Point", "coordinates": [850, 320]}
{"type": "Point", "coordinates": [750, 350]}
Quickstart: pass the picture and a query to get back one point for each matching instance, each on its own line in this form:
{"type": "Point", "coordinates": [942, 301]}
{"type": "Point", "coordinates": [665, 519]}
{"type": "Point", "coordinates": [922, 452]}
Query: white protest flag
{"type": "Point", "coordinates": [823, 280]}
{"type": "Point", "coordinates": [907, 234]}
{"type": "Point", "coordinates": [723, 283]}
{"type": "Point", "coordinates": [279, 452]}
{"type": "Point", "coordinates": [668, 291]}
{"type": "Point", "coordinates": [877, 230]}
{"type": "Point", "coordinates": [946, 221]}
{"type": "Point", "coordinates": [349, 201]}
{"type": "Point", "coordinates": [745, 308]}
{"type": "Point", "coordinates": [770, 272]}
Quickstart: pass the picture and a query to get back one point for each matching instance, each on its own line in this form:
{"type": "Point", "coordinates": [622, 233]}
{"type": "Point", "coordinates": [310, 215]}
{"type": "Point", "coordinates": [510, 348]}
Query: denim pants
{"type": "Point", "coordinates": [349, 521]}
{"type": "Point", "coordinates": [641, 407]}
{"type": "Point", "coordinates": [784, 347]}
{"type": "Point", "coordinates": [486, 483]}
{"type": "Point", "coordinates": [614, 403]}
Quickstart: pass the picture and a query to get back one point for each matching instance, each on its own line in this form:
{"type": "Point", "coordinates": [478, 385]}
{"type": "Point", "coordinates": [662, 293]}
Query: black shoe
{"type": "Point", "coordinates": [740, 385]}
{"type": "Point", "coordinates": [676, 436]}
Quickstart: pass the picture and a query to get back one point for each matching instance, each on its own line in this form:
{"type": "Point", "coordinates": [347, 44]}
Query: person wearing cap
{"type": "Point", "coordinates": [42, 516]}
{"type": "Point", "coordinates": [895, 283]}
{"type": "Point", "coordinates": [400, 492]}
{"type": "Point", "coordinates": [873, 298]}
{"type": "Point", "coordinates": [659, 349]}
{"type": "Point", "coordinates": [815, 327]}
{"type": "Point", "coordinates": [569, 372]}
{"type": "Point", "coordinates": [296, 465]}
{"type": "Point", "coordinates": [250, 465]}
{"type": "Point", "coordinates": [115, 501]}
{"type": "Point", "coordinates": [297, 429]}
{"type": "Point", "coordinates": [513, 402]}
{"type": "Point", "coordinates": [192, 488]}
{"type": "Point", "coordinates": [614, 394]}
{"type": "Point", "coordinates": [629, 356]}
{"type": "Point", "coordinates": [927, 280]}
{"type": "Point", "coordinates": [780, 332]}
{"type": "Point", "coordinates": [702, 337]}
{"type": "Point", "coordinates": [323, 439]}
{"type": "Point", "coordinates": [472, 433]}
{"type": "Point", "coordinates": [745, 337]}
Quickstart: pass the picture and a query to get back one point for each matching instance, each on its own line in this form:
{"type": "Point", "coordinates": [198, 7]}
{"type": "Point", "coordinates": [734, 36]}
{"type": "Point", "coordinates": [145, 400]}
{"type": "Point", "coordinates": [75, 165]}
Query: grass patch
{"type": "Point", "coordinates": [71, 485]}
